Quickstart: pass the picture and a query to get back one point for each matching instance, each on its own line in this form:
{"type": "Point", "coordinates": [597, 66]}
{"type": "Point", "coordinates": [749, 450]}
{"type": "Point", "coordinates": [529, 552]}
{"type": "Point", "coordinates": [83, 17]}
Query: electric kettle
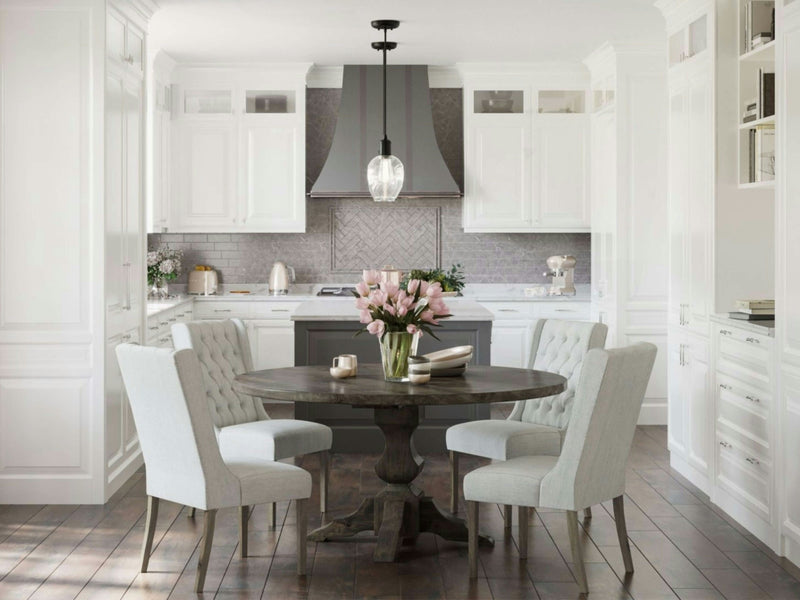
{"type": "Point", "coordinates": [279, 279]}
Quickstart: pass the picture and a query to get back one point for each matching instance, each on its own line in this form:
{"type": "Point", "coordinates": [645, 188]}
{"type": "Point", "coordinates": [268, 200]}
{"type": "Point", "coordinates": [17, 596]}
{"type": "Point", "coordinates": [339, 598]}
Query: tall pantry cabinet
{"type": "Point", "coordinates": [787, 280]}
{"type": "Point", "coordinates": [628, 206]}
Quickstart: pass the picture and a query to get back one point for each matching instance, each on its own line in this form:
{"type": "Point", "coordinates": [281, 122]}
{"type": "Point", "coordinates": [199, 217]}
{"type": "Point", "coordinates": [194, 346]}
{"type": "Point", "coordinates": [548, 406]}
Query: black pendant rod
{"type": "Point", "coordinates": [385, 46]}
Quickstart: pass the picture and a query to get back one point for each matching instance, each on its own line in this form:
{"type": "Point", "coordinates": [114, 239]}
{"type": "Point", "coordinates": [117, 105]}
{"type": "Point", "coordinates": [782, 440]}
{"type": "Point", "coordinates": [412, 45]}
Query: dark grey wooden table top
{"type": "Point", "coordinates": [478, 385]}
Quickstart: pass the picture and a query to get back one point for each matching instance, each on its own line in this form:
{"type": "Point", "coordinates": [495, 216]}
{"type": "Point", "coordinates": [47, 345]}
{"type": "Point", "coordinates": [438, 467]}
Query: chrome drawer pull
{"type": "Point", "coordinates": [162, 323]}
{"type": "Point", "coordinates": [752, 340]}
{"type": "Point", "coordinates": [164, 339]}
{"type": "Point", "coordinates": [172, 320]}
{"type": "Point", "coordinates": [126, 337]}
{"type": "Point", "coordinates": [725, 332]}
{"type": "Point", "coordinates": [507, 310]}
{"type": "Point", "coordinates": [753, 399]}
{"type": "Point", "coordinates": [179, 315]}
{"type": "Point", "coordinates": [153, 328]}
{"type": "Point", "coordinates": [752, 461]}
{"type": "Point", "coordinates": [725, 386]}
{"type": "Point", "coordinates": [279, 310]}
{"type": "Point", "coordinates": [724, 444]}
{"type": "Point", "coordinates": [188, 312]}
{"type": "Point", "coordinates": [225, 310]}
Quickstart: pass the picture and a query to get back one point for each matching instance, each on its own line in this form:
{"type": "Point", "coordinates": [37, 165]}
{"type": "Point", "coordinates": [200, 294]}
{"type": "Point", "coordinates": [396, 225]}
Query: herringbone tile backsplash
{"type": "Point", "coordinates": [344, 236]}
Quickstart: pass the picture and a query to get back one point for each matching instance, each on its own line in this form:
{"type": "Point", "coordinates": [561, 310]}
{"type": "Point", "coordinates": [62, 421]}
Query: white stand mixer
{"type": "Point", "coordinates": [562, 270]}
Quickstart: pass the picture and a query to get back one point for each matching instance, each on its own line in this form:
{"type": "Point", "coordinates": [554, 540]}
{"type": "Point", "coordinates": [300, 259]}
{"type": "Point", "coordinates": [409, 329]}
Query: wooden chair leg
{"type": "Point", "coordinates": [324, 471]}
{"type": "Point", "coordinates": [244, 517]}
{"type": "Point", "coordinates": [192, 511]}
{"type": "Point", "coordinates": [205, 552]}
{"type": "Point", "coordinates": [472, 539]}
{"type": "Point", "coordinates": [453, 481]}
{"type": "Point", "coordinates": [577, 551]}
{"type": "Point", "coordinates": [587, 512]}
{"type": "Point", "coordinates": [622, 533]}
{"type": "Point", "coordinates": [149, 531]}
{"type": "Point", "coordinates": [507, 510]}
{"type": "Point", "coordinates": [523, 531]}
{"type": "Point", "coordinates": [301, 506]}
{"type": "Point", "coordinates": [272, 514]}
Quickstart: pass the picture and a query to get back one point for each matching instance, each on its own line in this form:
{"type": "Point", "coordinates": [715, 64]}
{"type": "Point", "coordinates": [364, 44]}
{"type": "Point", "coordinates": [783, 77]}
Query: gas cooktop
{"type": "Point", "coordinates": [346, 291]}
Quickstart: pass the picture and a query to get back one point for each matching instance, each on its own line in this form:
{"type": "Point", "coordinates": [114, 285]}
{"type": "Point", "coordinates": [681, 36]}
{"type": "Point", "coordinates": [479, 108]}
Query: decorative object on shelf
{"type": "Point", "coordinates": [385, 173]}
{"type": "Point", "coordinates": [399, 317]}
{"type": "Point", "coordinates": [759, 23]}
{"type": "Point", "coordinates": [452, 281]}
{"type": "Point", "coordinates": [163, 266]}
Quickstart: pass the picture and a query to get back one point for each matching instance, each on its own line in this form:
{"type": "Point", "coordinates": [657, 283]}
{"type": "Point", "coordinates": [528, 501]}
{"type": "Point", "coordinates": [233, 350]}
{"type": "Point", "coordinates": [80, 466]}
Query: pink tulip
{"type": "Point", "coordinates": [362, 303]}
{"type": "Point", "coordinates": [427, 316]}
{"type": "Point", "coordinates": [378, 297]}
{"type": "Point", "coordinates": [377, 327]}
{"type": "Point", "coordinates": [413, 329]}
{"type": "Point", "coordinates": [366, 317]}
{"type": "Point", "coordinates": [389, 309]}
{"type": "Point", "coordinates": [372, 277]}
{"type": "Point", "coordinates": [412, 286]}
{"type": "Point", "coordinates": [401, 310]}
{"type": "Point", "coordinates": [390, 288]}
{"type": "Point", "coordinates": [423, 287]}
{"type": "Point", "coordinates": [434, 290]}
{"type": "Point", "coordinates": [362, 288]}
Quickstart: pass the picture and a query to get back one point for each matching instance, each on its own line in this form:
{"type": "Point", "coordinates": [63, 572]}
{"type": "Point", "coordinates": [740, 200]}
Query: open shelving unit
{"type": "Point", "coordinates": [756, 85]}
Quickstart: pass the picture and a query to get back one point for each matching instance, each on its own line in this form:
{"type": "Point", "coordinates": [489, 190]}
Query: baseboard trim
{"type": "Point", "coordinates": [685, 469]}
{"type": "Point", "coordinates": [653, 414]}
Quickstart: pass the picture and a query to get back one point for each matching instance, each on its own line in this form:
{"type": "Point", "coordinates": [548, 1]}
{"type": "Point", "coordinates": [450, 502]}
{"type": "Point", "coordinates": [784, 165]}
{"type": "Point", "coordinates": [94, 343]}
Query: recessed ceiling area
{"type": "Point", "coordinates": [434, 32]}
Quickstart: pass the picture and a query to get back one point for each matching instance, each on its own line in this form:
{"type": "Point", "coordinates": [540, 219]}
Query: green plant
{"type": "Point", "coordinates": [451, 280]}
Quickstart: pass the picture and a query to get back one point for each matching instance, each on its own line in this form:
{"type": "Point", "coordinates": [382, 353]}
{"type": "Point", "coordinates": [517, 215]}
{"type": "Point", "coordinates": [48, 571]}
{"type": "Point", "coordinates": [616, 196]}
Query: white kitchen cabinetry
{"type": "Point", "coordinates": [271, 343]}
{"type": "Point", "coordinates": [121, 440]}
{"type": "Point", "coordinates": [160, 111]}
{"type": "Point", "coordinates": [787, 292]}
{"type": "Point", "coordinates": [525, 171]}
{"type": "Point", "coordinates": [514, 322]}
{"type": "Point", "coordinates": [159, 324]}
{"type": "Point", "coordinates": [629, 207]}
{"type": "Point", "coordinates": [239, 158]}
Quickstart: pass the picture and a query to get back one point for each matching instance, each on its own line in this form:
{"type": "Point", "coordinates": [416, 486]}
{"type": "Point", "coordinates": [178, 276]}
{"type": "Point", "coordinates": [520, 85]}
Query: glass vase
{"type": "Point", "coordinates": [396, 347]}
{"type": "Point", "coordinates": [159, 290]}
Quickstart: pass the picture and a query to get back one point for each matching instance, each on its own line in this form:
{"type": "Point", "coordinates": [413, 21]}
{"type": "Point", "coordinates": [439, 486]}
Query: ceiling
{"type": "Point", "coordinates": [435, 32]}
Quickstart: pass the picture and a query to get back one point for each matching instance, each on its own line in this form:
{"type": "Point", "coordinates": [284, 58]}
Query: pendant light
{"type": "Point", "coordinates": [385, 173]}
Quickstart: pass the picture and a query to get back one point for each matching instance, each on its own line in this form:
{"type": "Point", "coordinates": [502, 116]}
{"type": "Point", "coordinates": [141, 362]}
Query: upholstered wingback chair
{"type": "Point", "coordinates": [591, 466]}
{"type": "Point", "coordinates": [242, 425]}
{"type": "Point", "coordinates": [534, 426]}
{"type": "Point", "coordinates": [182, 458]}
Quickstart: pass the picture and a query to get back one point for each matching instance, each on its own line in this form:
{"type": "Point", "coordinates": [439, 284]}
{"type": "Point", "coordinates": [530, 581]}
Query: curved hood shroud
{"type": "Point", "coordinates": [359, 131]}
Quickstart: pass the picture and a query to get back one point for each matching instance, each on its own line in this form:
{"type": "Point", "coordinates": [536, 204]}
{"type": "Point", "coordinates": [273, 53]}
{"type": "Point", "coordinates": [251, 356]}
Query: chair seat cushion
{"type": "Point", "coordinates": [274, 439]}
{"type": "Point", "coordinates": [501, 439]}
{"type": "Point", "coordinates": [516, 481]}
{"type": "Point", "coordinates": [263, 481]}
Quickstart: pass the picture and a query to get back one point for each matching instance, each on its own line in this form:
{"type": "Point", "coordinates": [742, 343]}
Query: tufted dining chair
{"type": "Point", "coordinates": [591, 466]}
{"type": "Point", "coordinates": [182, 458]}
{"type": "Point", "coordinates": [534, 426]}
{"type": "Point", "coordinates": [242, 425]}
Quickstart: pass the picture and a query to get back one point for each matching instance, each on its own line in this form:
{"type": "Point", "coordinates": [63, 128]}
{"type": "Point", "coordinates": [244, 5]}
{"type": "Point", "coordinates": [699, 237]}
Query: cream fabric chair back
{"type": "Point", "coordinates": [168, 401]}
{"type": "Point", "coordinates": [608, 399]}
{"type": "Point", "coordinates": [559, 347]}
{"type": "Point", "coordinates": [224, 352]}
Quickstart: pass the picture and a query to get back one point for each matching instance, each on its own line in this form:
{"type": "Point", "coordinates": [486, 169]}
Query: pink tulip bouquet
{"type": "Point", "coordinates": [398, 318]}
{"type": "Point", "coordinates": [389, 308]}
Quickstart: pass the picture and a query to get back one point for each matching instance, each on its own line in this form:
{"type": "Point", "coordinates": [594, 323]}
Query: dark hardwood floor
{"type": "Point", "coordinates": [682, 546]}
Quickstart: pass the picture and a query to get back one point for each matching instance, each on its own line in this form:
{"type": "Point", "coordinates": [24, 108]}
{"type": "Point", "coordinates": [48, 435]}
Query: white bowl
{"type": "Point", "coordinates": [449, 364]}
{"type": "Point", "coordinates": [449, 353]}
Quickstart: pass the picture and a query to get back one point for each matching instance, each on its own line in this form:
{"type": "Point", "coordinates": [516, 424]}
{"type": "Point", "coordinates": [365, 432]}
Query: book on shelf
{"type": "Point", "coordinates": [751, 155]}
{"type": "Point", "coordinates": [765, 153]}
{"type": "Point", "coordinates": [740, 316]}
{"type": "Point", "coordinates": [759, 303]}
{"type": "Point", "coordinates": [749, 116]}
{"type": "Point", "coordinates": [766, 94]}
{"type": "Point", "coordinates": [757, 311]}
{"type": "Point", "coordinates": [760, 39]}
{"type": "Point", "coordinates": [758, 19]}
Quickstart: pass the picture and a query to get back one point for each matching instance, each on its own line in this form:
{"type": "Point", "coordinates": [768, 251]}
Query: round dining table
{"type": "Point", "coordinates": [401, 511]}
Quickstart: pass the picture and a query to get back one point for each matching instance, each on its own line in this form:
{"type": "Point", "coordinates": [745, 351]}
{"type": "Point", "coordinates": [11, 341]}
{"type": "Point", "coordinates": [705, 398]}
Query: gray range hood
{"type": "Point", "coordinates": [410, 127]}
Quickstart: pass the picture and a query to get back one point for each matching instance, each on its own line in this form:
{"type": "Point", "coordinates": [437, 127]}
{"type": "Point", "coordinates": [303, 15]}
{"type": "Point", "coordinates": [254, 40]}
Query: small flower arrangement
{"type": "Point", "coordinates": [390, 309]}
{"type": "Point", "coordinates": [163, 265]}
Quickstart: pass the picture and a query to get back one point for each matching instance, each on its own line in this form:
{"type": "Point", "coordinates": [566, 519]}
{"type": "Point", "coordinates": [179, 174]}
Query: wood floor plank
{"type": "Point", "coordinates": [694, 545]}
{"type": "Point", "coordinates": [644, 583]}
{"type": "Point", "coordinates": [714, 527]}
{"type": "Point", "coordinates": [669, 488]}
{"type": "Point", "coordinates": [770, 577]}
{"type": "Point", "coordinates": [671, 564]}
{"type": "Point", "coordinates": [733, 584]}
{"type": "Point", "coordinates": [695, 594]}
{"type": "Point", "coordinates": [14, 516]}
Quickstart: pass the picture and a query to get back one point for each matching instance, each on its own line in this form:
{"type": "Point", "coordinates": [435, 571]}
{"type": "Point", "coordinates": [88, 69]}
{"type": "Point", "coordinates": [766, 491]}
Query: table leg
{"type": "Point", "coordinates": [360, 520]}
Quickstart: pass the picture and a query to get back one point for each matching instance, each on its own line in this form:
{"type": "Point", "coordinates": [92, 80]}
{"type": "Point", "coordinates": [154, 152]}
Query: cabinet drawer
{"type": "Point", "coordinates": [221, 310]}
{"type": "Point", "coordinates": [273, 310]}
{"type": "Point", "coordinates": [511, 310]}
{"type": "Point", "coordinates": [745, 355]}
{"type": "Point", "coordinates": [743, 409]}
{"type": "Point", "coordinates": [569, 311]}
{"type": "Point", "coordinates": [744, 476]}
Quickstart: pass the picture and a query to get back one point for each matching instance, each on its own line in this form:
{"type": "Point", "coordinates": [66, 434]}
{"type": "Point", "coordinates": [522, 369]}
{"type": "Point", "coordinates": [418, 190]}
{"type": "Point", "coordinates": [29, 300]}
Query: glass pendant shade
{"type": "Point", "coordinates": [385, 176]}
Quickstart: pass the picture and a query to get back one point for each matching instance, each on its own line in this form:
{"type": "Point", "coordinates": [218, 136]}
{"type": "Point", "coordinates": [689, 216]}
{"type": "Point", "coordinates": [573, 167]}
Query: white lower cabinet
{"type": "Point", "coordinates": [690, 409]}
{"type": "Point", "coordinates": [271, 343]}
{"type": "Point", "coordinates": [121, 441]}
{"type": "Point", "coordinates": [511, 343]}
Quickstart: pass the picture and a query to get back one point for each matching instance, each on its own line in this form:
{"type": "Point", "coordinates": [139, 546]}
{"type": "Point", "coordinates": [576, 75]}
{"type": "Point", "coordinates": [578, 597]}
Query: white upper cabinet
{"type": "Point", "coordinates": [238, 164]}
{"type": "Point", "coordinates": [562, 148]}
{"type": "Point", "coordinates": [525, 155]}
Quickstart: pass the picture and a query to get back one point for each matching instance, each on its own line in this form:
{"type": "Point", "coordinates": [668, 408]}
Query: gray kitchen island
{"type": "Point", "coordinates": [325, 328]}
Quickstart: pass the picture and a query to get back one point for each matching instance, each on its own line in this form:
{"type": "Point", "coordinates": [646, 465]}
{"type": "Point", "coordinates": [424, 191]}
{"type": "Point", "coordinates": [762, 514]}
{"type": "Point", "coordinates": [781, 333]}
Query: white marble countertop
{"type": "Point", "coordinates": [762, 327]}
{"type": "Point", "coordinates": [521, 292]}
{"type": "Point", "coordinates": [156, 306]}
{"type": "Point", "coordinates": [343, 309]}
